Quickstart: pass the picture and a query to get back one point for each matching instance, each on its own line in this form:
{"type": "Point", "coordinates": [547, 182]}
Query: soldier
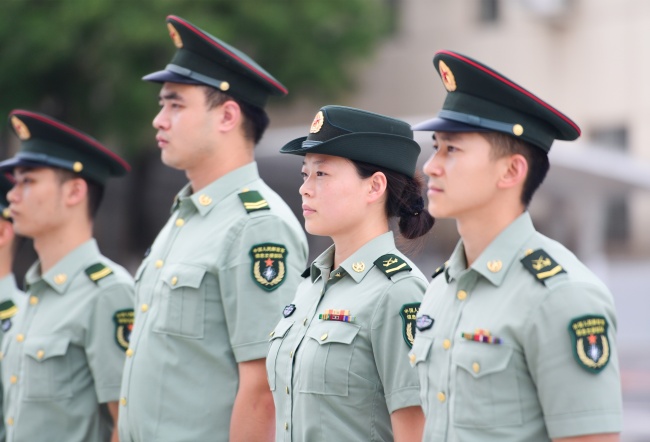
{"type": "Point", "coordinates": [217, 276]}
{"type": "Point", "coordinates": [516, 338]}
{"type": "Point", "coordinates": [337, 364]}
{"type": "Point", "coordinates": [64, 353]}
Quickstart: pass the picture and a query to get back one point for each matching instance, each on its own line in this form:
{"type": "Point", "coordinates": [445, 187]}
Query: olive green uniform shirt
{"type": "Point", "coordinates": [201, 309]}
{"type": "Point", "coordinates": [8, 292]}
{"type": "Point", "coordinates": [62, 358]}
{"type": "Point", "coordinates": [339, 380]}
{"type": "Point", "coordinates": [527, 383]}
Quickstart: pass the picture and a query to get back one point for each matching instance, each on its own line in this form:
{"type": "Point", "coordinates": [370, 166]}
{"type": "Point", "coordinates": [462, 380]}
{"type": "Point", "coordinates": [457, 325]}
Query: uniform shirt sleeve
{"type": "Point", "coordinates": [251, 311]}
{"type": "Point", "coordinates": [400, 381]}
{"type": "Point", "coordinates": [105, 355]}
{"type": "Point", "coordinates": [574, 400]}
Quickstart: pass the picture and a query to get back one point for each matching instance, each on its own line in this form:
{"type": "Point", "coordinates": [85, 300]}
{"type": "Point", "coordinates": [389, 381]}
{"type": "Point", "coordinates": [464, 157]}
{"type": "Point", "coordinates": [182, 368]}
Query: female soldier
{"type": "Point", "coordinates": [338, 361]}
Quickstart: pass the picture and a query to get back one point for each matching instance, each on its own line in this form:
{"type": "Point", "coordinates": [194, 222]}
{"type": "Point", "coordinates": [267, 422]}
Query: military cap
{"type": "Point", "coordinates": [6, 183]}
{"type": "Point", "coordinates": [360, 136]}
{"type": "Point", "coordinates": [46, 142]}
{"type": "Point", "coordinates": [479, 99]}
{"type": "Point", "coordinates": [204, 59]}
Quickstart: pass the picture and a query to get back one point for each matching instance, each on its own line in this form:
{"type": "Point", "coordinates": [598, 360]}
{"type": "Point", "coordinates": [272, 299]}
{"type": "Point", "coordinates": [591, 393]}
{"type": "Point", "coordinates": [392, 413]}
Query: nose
{"type": "Point", "coordinates": [12, 195]}
{"type": "Point", "coordinates": [432, 167]}
{"type": "Point", "coordinates": [305, 188]}
{"type": "Point", "coordinates": [161, 121]}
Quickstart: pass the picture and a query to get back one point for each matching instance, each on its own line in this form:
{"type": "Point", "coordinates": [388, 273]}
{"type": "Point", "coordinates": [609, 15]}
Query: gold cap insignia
{"type": "Point", "coordinates": [77, 166]}
{"type": "Point", "coordinates": [20, 128]}
{"type": "Point", "coordinates": [358, 266]}
{"type": "Point", "coordinates": [494, 266]}
{"type": "Point", "coordinates": [518, 129]}
{"type": "Point", "coordinates": [317, 123]}
{"type": "Point", "coordinates": [447, 76]}
{"type": "Point", "coordinates": [176, 38]}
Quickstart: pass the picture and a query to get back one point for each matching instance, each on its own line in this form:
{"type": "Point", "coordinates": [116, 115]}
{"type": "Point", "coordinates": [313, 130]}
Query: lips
{"type": "Point", "coordinates": [306, 210]}
{"type": "Point", "coordinates": [162, 141]}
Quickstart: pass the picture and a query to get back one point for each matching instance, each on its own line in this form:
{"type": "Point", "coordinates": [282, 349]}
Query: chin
{"type": "Point", "coordinates": [315, 229]}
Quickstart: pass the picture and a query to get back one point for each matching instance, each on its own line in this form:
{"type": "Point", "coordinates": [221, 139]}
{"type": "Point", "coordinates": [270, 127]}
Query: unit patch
{"type": "Point", "coordinates": [123, 326]}
{"type": "Point", "coordinates": [541, 265]}
{"type": "Point", "coordinates": [98, 271]}
{"type": "Point", "coordinates": [288, 310]}
{"type": "Point", "coordinates": [253, 201]}
{"type": "Point", "coordinates": [269, 261]}
{"type": "Point", "coordinates": [391, 264]}
{"type": "Point", "coordinates": [7, 310]}
{"type": "Point", "coordinates": [409, 313]}
{"type": "Point", "coordinates": [424, 322]}
{"type": "Point", "coordinates": [590, 343]}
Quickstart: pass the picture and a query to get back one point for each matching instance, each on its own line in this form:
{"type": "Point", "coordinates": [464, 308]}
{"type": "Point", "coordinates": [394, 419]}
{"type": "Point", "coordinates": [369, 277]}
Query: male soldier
{"type": "Point", "coordinates": [64, 353]}
{"type": "Point", "coordinates": [229, 259]}
{"type": "Point", "coordinates": [516, 337]}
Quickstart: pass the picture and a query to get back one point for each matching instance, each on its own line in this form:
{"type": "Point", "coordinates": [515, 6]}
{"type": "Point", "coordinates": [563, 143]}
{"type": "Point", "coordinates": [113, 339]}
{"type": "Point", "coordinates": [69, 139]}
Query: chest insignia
{"type": "Point", "coordinates": [336, 315]}
{"type": "Point", "coordinates": [123, 320]}
{"type": "Point", "coordinates": [541, 265]}
{"type": "Point", "coordinates": [288, 310]}
{"type": "Point", "coordinates": [424, 322]}
{"type": "Point", "coordinates": [97, 272]}
{"type": "Point", "coordinates": [268, 265]}
{"type": "Point", "coordinates": [481, 335]}
{"type": "Point", "coordinates": [253, 201]}
{"type": "Point", "coordinates": [391, 264]}
{"type": "Point", "coordinates": [7, 310]}
{"type": "Point", "coordinates": [590, 343]}
{"type": "Point", "coordinates": [408, 312]}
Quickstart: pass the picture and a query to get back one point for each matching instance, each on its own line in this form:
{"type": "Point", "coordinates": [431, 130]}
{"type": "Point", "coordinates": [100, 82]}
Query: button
{"type": "Point", "coordinates": [322, 338]}
{"type": "Point", "coordinates": [20, 337]}
{"type": "Point", "coordinates": [10, 421]}
{"type": "Point", "coordinates": [291, 354]}
{"type": "Point", "coordinates": [2, 355]}
{"type": "Point", "coordinates": [476, 367]}
{"type": "Point", "coordinates": [144, 307]}
{"type": "Point", "coordinates": [461, 295]}
{"type": "Point", "coordinates": [304, 322]}
{"type": "Point", "coordinates": [441, 397]}
{"type": "Point", "coordinates": [129, 352]}
{"type": "Point", "coordinates": [286, 425]}
{"type": "Point", "coordinates": [180, 222]}
{"type": "Point", "coordinates": [174, 280]}
{"type": "Point", "coordinates": [272, 333]}
{"type": "Point", "coordinates": [446, 344]}
{"type": "Point", "coordinates": [412, 358]}
{"type": "Point", "coordinates": [287, 389]}
{"type": "Point", "coordinates": [77, 166]}
{"type": "Point", "coordinates": [159, 263]}
{"type": "Point", "coordinates": [40, 354]}
{"type": "Point", "coordinates": [33, 300]}
{"type": "Point", "coordinates": [13, 379]}
{"type": "Point", "coordinates": [123, 401]}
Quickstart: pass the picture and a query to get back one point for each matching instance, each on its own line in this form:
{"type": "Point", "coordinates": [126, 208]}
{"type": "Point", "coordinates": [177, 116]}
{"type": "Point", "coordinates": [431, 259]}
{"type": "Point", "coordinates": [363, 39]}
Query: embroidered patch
{"type": "Point", "coordinates": [288, 310]}
{"type": "Point", "coordinates": [590, 343]}
{"type": "Point", "coordinates": [541, 265]}
{"type": "Point", "coordinates": [98, 271]}
{"type": "Point", "coordinates": [409, 313]}
{"type": "Point", "coordinates": [7, 310]}
{"type": "Point", "coordinates": [269, 267]}
{"type": "Point", "coordinates": [123, 326]}
{"type": "Point", "coordinates": [336, 315]}
{"type": "Point", "coordinates": [253, 201]}
{"type": "Point", "coordinates": [391, 264]}
{"type": "Point", "coordinates": [424, 322]}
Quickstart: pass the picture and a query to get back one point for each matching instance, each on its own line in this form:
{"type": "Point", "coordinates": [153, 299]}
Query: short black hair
{"type": "Point", "coordinates": [95, 190]}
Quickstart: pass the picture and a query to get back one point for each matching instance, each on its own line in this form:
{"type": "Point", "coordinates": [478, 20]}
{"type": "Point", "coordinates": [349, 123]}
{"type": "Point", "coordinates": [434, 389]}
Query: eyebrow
{"type": "Point", "coordinates": [170, 96]}
{"type": "Point", "coordinates": [314, 162]}
{"type": "Point", "coordinates": [444, 136]}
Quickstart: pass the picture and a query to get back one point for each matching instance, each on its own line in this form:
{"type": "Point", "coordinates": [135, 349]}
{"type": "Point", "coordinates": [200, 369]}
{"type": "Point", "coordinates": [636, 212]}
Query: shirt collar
{"type": "Point", "coordinates": [215, 192]}
{"type": "Point", "coordinates": [60, 276]}
{"type": "Point", "coordinates": [7, 286]}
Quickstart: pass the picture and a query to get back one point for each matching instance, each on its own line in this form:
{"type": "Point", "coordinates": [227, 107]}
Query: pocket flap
{"type": "Point", "coordinates": [281, 329]}
{"type": "Point", "coordinates": [481, 359]}
{"type": "Point", "coordinates": [45, 347]}
{"type": "Point", "coordinates": [183, 275]}
{"type": "Point", "coordinates": [334, 331]}
{"type": "Point", "coordinates": [420, 350]}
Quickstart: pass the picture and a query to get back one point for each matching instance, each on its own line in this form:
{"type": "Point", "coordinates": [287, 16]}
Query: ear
{"type": "Point", "coordinates": [230, 115]}
{"type": "Point", "coordinates": [514, 172]}
{"type": "Point", "coordinates": [377, 184]}
{"type": "Point", "coordinates": [75, 191]}
{"type": "Point", "coordinates": [6, 233]}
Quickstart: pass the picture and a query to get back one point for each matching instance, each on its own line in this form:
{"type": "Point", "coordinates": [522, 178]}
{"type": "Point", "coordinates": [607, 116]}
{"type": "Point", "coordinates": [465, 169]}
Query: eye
{"type": "Point", "coordinates": [435, 148]}
{"type": "Point", "coordinates": [319, 173]}
{"type": "Point", "coordinates": [303, 175]}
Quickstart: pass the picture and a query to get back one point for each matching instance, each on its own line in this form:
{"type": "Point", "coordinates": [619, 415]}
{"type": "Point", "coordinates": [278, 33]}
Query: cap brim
{"type": "Point", "coordinates": [169, 77]}
{"type": "Point", "coordinates": [444, 125]}
{"type": "Point", "coordinates": [10, 164]}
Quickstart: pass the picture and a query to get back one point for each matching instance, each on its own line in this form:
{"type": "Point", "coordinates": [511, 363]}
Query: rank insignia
{"type": "Point", "coordinates": [440, 269]}
{"type": "Point", "coordinates": [424, 322]}
{"type": "Point", "coordinates": [269, 268]}
{"type": "Point", "coordinates": [590, 343]}
{"type": "Point", "coordinates": [7, 310]}
{"type": "Point", "coordinates": [97, 272]}
{"type": "Point", "coordinates": [123, 326]}
{"type": "Point", "coordinates": [253, 201]}
{"type": "Point", "coordinates": [336, 315]}
{"type": "Point", "coordinates": [391, 264]}
{"type": "Point", "coordinates": [408, 313]}
{"type": "Point", "coordinates": [541, 265]}
{"type": "Point", "coordinates": [288, 310]}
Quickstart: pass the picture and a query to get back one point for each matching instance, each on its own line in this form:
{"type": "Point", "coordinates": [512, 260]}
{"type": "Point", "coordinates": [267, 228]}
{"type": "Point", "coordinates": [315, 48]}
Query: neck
{"type": "Point", "coordinates": [55, 245]}
{"type": "Point", "coordinates": [346, 243]}
{"type": "Point", "coordinates": [239, 153]}
{"type": "Point", "coordinates": [6, 255]}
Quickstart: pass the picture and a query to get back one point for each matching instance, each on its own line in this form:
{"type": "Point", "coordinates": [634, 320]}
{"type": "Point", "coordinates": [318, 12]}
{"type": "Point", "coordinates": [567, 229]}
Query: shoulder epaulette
{"type": "Point", "coordinates": [7, 309]}
{"type": "Point", "coordinates": [306, 273]}
{"type": "Point", "coordinates": [541, 265]}
{"type": "Point", "coordinates": [253, 201]}
{"type": "Point", "coordinates": [98, 271]}
{"type": "Point", "coordinates": [391, 264]}
{"type": "Point", "coordinates": [439, 270]}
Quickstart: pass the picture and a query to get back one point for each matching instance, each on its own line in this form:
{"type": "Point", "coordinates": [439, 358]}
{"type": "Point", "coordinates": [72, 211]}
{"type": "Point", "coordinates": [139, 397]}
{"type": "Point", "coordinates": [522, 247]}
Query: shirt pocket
{"type": "Point", "coordinates": [182, 301]}
{"type": "Point", "coordinates": [486, 386]}
{"type": "Point", "coordinates": [277, 338]}
{"type": "Point", "coordinates": [418, 357]}
{"type": "Point", "coordinates": [325, 363]}
{"type": "Point", "coordinates": [47, 374]}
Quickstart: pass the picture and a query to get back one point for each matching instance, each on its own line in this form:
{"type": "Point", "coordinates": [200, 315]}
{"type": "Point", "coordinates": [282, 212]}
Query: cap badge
{"type": "Point", "coordinates": [20, 128]}
{"type": "Point", "coordinates": [447, 76]}
{"type": "Point", "coordinates": [317, 123]}
{"type": "Point", "coordinates": [176, 38]}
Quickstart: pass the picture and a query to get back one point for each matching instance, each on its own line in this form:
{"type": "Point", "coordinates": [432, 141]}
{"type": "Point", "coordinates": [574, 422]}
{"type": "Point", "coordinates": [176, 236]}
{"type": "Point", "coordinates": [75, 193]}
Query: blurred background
{"type": "Point", "coordinates": [82, 62]}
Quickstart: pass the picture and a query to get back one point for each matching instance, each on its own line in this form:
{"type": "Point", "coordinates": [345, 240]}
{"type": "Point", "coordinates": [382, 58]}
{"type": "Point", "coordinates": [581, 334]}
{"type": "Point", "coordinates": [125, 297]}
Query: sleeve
{"type": "Point", "coordinates": [107, 338]}
{"type": "Point", "coordinates": [578, 397]}
{"type": "Point", "coordinates": [392, 340]}
{"type": "Point", "coordinates": [267, 260]}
